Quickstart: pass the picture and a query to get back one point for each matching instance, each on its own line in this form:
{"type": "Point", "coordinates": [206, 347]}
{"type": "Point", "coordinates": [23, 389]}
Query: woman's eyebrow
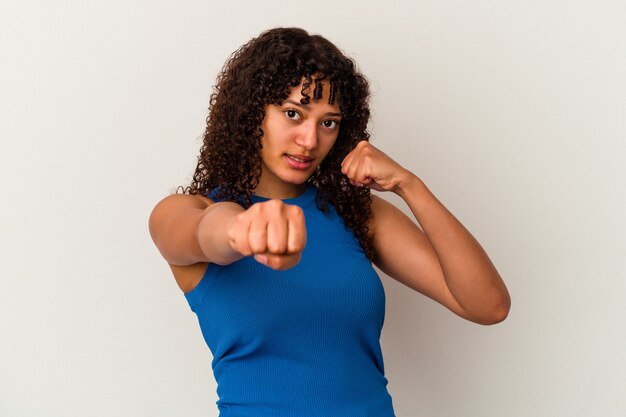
{"type": "Point", "coordinates": [307, 107]}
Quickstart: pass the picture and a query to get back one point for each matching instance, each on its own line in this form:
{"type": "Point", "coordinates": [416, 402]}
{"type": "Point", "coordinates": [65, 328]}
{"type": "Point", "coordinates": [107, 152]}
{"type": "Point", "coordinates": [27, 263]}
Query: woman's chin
{"type": "Point", "coordinates": [296, 178]}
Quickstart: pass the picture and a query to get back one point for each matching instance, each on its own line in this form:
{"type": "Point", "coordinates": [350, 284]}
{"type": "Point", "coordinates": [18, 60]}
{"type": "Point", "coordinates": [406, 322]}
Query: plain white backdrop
{"type": "Point", "coordinates": [512, 113]}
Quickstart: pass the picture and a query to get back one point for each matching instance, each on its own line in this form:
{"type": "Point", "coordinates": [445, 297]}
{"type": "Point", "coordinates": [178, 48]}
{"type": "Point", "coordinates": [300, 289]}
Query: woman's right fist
{"type": "Point", "coordinates": [272, 231]}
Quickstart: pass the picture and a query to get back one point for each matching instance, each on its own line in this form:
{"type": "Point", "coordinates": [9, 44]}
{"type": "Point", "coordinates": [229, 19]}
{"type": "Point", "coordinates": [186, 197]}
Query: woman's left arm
{"type": "Point", "coordinates": [441, 260]}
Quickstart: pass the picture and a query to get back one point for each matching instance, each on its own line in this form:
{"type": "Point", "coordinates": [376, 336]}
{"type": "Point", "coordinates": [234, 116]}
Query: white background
{"type": "Point", "coordinates": [512, 113]}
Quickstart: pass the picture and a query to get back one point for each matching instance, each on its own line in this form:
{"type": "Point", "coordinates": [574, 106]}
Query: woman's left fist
{"type": "Point", "coordinates": [367, 166]}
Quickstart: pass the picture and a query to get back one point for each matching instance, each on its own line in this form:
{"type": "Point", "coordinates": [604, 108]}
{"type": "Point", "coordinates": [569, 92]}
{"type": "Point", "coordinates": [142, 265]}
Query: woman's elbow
{"type": "Point", "coordinates": [498, 313]}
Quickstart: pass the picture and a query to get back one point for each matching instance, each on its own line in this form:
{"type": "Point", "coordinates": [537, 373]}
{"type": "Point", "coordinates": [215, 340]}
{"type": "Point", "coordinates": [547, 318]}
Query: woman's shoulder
{"type": "Point", "coordinates": [174, 206]}
{"type": "Point", "coordinates": [178, 200]}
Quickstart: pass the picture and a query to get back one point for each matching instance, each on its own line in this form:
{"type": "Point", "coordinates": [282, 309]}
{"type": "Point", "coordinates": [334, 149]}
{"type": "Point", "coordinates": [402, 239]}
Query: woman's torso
{"type": "Point", "coordinates": [304, 340]}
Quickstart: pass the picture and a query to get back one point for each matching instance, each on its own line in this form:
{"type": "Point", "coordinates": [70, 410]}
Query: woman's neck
{"type": "Point", "coordinates": [281, 193]}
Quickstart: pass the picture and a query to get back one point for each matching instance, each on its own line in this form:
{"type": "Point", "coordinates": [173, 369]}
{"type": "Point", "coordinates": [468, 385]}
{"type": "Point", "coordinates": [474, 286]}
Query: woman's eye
{"type": "Point", "coordinates": [330, 124]}
{"type": "Point", "coordinates": [292, 114]}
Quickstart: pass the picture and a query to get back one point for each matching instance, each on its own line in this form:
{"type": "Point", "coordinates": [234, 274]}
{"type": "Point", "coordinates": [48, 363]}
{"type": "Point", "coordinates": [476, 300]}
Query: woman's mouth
{"type": "Point", "coordinates": [299, 161]}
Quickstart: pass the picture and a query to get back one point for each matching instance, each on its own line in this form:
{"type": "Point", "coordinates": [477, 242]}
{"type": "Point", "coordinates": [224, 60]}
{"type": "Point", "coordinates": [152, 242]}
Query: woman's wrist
{"type": "Point", "coordinates": [212, 232]}
{"type": "Point", "coordinates": [409, 183]}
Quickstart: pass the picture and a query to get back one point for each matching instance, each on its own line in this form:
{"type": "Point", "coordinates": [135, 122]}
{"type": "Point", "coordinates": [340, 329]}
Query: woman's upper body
{"type": "Point", "coordinates": [283, 286]}
{"type": "Point", "coordinates": [289, 110]}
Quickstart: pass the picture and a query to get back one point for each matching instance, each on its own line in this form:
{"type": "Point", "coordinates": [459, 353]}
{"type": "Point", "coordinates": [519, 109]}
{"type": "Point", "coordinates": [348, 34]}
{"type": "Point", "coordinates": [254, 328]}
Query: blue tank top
{"type": "Point", "coordinates": [303, 342]}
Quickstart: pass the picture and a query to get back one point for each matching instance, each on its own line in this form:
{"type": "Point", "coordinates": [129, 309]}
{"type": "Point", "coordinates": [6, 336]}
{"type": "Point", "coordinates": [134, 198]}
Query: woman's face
{"type": "Point", "coordinates": [297, 138]}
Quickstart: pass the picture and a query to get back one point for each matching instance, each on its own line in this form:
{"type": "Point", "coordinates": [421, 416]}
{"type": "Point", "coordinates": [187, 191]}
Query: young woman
{"type": "Point", "coordinates": [273, 242]}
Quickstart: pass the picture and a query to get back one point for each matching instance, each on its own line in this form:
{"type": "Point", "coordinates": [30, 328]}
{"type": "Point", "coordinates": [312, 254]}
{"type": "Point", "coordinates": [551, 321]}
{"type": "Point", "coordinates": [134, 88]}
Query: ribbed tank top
{"type": "Point", "coordinates": [303, 342]}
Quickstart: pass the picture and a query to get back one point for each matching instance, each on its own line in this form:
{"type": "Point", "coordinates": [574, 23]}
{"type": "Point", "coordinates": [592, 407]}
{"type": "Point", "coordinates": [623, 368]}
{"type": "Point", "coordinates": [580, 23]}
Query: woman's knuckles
{"type": "Point", "coordinates": [257, 245]}
{"type": "Point", "coordinates": [277, 245]}
{"type": "Point", "coordinates": [272, 227]}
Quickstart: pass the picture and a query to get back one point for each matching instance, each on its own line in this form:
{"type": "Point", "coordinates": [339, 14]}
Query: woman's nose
{"type": "Point", "coordinates": [307, 136]}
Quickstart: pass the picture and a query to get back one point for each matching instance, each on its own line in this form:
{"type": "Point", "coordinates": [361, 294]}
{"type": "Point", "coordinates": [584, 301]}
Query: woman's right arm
{"type": "Point", "coordinates": [188, 229]}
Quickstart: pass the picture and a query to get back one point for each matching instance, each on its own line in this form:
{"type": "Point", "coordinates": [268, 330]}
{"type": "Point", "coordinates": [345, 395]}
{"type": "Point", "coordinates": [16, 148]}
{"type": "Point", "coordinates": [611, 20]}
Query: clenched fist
{"type": "Point", "coordinates": [367, 166]}
{"type": "Point", "coordinates": [272, 231]}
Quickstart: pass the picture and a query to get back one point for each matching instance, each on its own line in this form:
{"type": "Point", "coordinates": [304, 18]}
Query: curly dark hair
{"type": "Point", "coordinates": [263, 72]}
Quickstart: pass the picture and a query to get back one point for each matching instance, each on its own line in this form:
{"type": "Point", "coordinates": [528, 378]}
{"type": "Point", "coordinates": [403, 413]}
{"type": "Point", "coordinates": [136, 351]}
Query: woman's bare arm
{"type": "Point", "coordinates": [443, 261]}
{"type": "Point", "coordinates": [188, 229]}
